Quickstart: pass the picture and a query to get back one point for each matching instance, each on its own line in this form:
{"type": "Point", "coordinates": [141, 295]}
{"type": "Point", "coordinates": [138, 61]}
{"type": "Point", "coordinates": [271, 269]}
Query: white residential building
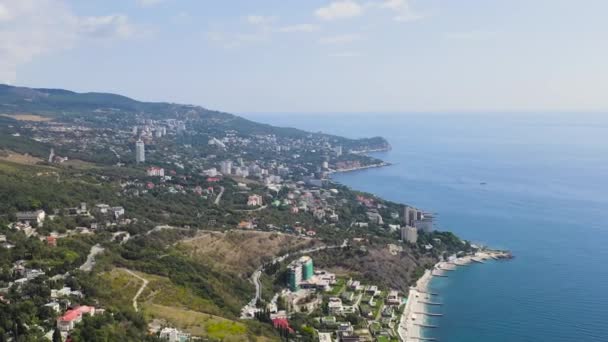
{"type": "Point", "coordinates": [140, 151]}
{"type": "Point", "coordinates": [37, 216]}
{"type": "Point", "coordinates": [118, 211]}
{"type": "Point", "coordinates": [254, 200]}
{"type": "Point", "coordinates": [173, 335]}
{"type": "Point", "coordinates": [226, 167]}
{"type": "Point", "coordinates": [73, 317]}
{"type": "Point", "coordinates": [155, 172]}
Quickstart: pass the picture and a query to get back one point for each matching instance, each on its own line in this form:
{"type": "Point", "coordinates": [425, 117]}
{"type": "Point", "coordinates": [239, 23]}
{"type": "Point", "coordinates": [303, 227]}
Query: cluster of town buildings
{"type": "Point", "coordinates": [64, 301]}
{"type": "Point", "coordinates": [308, 290]}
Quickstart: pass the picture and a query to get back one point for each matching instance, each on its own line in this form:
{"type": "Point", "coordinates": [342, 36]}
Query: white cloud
{"type": "Point", "coordinates": [235, 40]}
{"type": "Point", "coordinates": [261, 30]}
{"type": "Point", "coordinates": [392, 4]}
{"type": "Point", "coordinates": [307, 28]}
{"type": "Point", "coordinates": [148, 3]}
{"type": "Point", "coordinates": [402, 9]}
{"type": "Point", "coordinates": [33, 28]}
{"type": "Point", "coordinates": [340, 39]}
{"type": "Point", "coordinates": [116, 25]}
{"type": "Point", "coordinates": [260, 19]}
{"type": "Point", "coordinates": [339, 10]}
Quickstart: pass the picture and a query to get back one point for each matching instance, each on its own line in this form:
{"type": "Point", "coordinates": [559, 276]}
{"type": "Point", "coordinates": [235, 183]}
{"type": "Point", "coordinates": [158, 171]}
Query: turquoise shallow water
{"type": "Point", "coordinates": [545, 198]}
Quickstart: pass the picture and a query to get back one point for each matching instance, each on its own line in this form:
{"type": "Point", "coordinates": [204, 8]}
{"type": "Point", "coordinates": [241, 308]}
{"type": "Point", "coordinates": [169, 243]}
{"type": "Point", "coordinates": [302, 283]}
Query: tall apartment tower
{"type": "Point", "coordinates": [140, 151]}
{"type": "Point", "coordinates": [307, 267]}
{"type": "Point", "coordinates": [226, 167]}
{"type": "Point", "coordinates": [410, 214]}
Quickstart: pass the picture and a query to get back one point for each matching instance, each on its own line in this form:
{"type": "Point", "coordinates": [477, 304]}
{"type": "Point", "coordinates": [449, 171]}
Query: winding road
{"type": "Point", "coordinates": [255, 277]}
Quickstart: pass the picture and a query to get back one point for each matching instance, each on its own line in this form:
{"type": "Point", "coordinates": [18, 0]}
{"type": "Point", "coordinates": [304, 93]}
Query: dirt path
{"type": "Point", "coordinates": [141, 289]}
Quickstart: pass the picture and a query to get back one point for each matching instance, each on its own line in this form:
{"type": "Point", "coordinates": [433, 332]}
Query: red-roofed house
{"type": "Point", "coordinates": [246, 225]}
{"type": "Point", "coordinates": [73, 317]}
{"type": "Point", "coordinates": [155, 172]}
{"type": "Point", "coordinates": [282, 323]}
{"type": "Point", "coordinates": [51, 241]}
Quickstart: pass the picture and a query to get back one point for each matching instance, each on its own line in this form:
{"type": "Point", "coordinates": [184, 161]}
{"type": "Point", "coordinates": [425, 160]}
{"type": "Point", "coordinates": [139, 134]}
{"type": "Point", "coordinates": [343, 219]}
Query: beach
{"type": "Point", "coordinates": [409, 330]}
{"type": "Point", "coordinates": [414, 318]}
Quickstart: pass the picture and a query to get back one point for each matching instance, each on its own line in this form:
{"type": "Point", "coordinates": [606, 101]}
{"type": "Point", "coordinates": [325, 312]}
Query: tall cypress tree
{"type": "Point", "coordinates": [56, 335]}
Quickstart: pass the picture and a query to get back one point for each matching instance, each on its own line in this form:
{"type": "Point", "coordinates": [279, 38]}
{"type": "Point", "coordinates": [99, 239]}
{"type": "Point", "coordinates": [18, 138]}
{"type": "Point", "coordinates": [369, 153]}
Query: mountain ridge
{"type": "Point", "coordinates": [67, 104]}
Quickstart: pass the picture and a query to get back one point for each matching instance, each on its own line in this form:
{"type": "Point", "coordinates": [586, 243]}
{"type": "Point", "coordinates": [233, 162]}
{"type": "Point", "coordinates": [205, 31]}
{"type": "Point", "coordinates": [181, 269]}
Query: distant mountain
{"type": "Point", "coordinates": [65, 104]}
{"type": "Point", "coordinates": [54, 101]}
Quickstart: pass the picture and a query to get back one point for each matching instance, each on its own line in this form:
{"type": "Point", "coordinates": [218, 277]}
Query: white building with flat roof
{"type": "Point", "coordinates": [173, 335]}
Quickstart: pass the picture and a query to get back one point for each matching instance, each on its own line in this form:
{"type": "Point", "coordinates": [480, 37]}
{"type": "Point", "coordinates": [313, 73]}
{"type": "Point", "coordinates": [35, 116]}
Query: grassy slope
{"type": "Point", "coordinates": [174, 304]}
{"type": "Point", "coordinates": [241, 251]}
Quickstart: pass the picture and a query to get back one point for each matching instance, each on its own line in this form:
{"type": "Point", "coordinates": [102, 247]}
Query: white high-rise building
{"type": "Point", "coordinates": [410, 214]}
{"type": "Point", "coordinates": [226, 167]}
{"type": "Point", "coordinates": [409, 234]}
{"type": "Point", "coordinates": [140, 151]}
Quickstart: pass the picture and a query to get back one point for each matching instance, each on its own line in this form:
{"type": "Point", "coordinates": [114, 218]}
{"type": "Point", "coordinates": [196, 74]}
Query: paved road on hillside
{"type": "Point", "coordinates": [255, 277]}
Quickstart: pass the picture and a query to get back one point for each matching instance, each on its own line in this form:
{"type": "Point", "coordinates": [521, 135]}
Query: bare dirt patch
{"type": "Point", "coordinates": [18, 158]}
{"type": "Point", "coordinates": [28, 117]}
{"type": "Point", "coordinates": [78, 164]}
{"type": "Point", "coordinates": [242, 251]}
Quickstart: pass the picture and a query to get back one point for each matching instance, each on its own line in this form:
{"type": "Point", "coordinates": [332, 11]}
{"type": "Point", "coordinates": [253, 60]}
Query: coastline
{"type": "Point", "coordinates": [411, 324]}
{"type": "Point", "coordinates": [371, 150]}
{"type": "Point", "coordinates": [371, 166]}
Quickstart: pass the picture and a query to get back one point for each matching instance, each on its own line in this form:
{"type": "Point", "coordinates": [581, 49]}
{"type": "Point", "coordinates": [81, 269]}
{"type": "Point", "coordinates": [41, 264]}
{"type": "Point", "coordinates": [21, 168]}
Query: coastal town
{"type": "Point", "coordinates": [114, 237]}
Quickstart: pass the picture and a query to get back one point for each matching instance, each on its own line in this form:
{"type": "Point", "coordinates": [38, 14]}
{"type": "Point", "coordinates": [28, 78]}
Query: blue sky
{"type": "Point", "coordinates": [316, 55]}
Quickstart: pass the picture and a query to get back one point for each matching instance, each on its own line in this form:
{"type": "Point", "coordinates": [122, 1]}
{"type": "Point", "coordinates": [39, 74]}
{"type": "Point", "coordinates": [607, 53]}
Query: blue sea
{"type": "Point", "coordinates": [536, 184]}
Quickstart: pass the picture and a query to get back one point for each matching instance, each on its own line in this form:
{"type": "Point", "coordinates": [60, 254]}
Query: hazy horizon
{"type": "Point", "coordinates": [317, 56]}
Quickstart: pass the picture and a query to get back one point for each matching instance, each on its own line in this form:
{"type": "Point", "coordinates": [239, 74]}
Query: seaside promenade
{"type": "Point", "coordinates": [409, 328]}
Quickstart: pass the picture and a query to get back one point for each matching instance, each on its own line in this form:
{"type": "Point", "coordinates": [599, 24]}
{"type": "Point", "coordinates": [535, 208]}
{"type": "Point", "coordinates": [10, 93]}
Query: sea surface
{"type": "Point", "coordinates": [536, 184]}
